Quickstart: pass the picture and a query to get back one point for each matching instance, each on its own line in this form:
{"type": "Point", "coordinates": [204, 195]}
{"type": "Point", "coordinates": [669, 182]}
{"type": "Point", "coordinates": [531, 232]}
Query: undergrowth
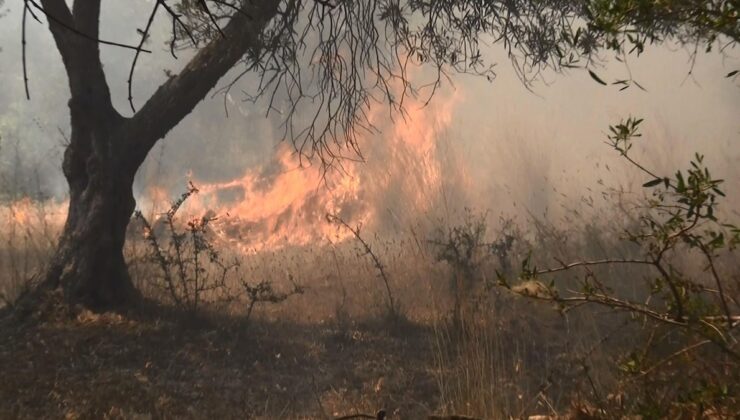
{"type": "Point", "coordinates": [632, 311]}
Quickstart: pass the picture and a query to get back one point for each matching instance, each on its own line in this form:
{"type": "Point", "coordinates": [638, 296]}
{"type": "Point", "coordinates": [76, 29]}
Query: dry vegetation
{"type": "Point", "coordinates": [416, 324]}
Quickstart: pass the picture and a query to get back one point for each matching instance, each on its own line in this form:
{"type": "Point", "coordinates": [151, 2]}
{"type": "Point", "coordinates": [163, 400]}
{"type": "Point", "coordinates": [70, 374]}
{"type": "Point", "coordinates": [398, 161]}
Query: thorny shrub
{"type": "Point", "coordinates": [193, 272]}
{"type": "Point", "coordinates": [393, 308]}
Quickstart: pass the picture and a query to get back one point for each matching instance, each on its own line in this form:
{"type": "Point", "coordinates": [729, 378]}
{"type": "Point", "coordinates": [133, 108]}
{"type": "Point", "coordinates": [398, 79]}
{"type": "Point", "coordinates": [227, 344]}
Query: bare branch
{"type": "Point", "coordinates": [204, 5]}
{"type": "Point", "coordinates": [392, 308]}
{"type": "Point", "coordinates": [144, 36]}
{"type": "Point", "coordinates": [161, 113]}
{"type": "Point", "coordinates": [23, 46]}
{"type": "Point", "coordinates": [65, 20]}
{"type": "Point", "coordinates": [607, 261]}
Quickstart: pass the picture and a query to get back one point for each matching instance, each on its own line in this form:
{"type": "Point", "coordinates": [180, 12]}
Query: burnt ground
{"type": "Point", "coordinates": [168, 365]}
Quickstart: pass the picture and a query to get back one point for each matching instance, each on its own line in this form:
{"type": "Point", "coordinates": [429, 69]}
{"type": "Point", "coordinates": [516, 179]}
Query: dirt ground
{"type": "Point", "coordinates": [165, 365]}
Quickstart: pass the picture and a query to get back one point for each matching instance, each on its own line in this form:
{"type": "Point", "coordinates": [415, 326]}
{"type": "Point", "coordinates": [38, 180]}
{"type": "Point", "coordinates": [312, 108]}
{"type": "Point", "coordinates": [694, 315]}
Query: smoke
{"type": "Point", "coordinates": [495, 146]}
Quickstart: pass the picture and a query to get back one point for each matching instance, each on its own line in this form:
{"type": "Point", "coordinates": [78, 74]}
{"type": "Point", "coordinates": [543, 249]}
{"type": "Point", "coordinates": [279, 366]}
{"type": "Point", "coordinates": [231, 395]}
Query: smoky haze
{"type": "Point", "coordinates": [494, 146]}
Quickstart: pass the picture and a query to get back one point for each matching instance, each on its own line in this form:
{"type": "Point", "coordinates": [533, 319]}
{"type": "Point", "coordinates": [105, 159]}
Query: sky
{"type": "Point", "coordinates": [515, 146]}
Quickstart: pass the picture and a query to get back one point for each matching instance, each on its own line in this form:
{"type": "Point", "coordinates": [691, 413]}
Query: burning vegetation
{"type": "Point", "coordinates": [366, 268]}
{"type": "Point", "coordinates": [286, 202]}
{"type": "Point", "coordinates": [450, 307]}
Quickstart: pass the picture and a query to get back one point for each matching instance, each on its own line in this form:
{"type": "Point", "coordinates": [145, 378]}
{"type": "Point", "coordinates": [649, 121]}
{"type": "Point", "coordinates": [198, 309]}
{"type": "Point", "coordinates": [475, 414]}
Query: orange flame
{"type": "Point", "coordinates": [282, 204]}
{"type": "Point", "coordinates": [28, 215]}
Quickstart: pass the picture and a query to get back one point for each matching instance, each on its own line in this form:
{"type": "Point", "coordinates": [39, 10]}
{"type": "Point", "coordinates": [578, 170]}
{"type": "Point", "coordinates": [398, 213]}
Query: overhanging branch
{"type": "Point", "coordinates": [177, 97]}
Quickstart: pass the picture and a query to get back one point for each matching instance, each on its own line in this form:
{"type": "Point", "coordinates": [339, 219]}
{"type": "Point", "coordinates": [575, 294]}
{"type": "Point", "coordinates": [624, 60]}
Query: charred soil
{"type": "Point", "coordinates": [164, 364]}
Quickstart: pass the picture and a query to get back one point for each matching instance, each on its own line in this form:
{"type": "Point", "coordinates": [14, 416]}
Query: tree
{"type": "Point", "coordinates": [323, 62]}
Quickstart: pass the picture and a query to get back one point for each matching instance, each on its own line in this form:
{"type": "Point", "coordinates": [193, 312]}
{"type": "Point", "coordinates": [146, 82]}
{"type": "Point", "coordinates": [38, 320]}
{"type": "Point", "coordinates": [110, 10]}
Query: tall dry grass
{"type": "Point", "coordinates": [29, 230]}
{"type": "Point", "coordinates": [505, 356]}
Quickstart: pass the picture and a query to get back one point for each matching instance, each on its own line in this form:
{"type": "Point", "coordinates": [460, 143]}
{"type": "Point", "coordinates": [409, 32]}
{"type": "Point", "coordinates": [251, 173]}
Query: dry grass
{"type": "Point", "coordinates": [331, 350]}
{"type": "Point", "coordinates": [29, 230]}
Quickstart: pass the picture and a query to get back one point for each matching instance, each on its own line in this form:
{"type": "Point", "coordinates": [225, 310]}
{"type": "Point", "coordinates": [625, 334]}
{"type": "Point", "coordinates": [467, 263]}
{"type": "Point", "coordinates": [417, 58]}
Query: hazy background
{"type": "Point", "coordinates": [517, 149]}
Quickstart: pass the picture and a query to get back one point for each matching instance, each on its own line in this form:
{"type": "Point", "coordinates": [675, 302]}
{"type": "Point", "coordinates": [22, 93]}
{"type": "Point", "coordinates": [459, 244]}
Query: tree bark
{"type": "Point", "coordinates": [106, 149]}
{"type": "Point", "coordinates": [89, 265]}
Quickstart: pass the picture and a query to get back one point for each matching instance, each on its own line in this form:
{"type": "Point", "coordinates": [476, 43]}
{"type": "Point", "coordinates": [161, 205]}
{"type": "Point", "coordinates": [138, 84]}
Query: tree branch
{"type": "Point", "coordinates": [60, 21]}
{"type": "Point", "coordinates": [23, 47]}
{"type": "Point", "coordinates": [80, 54]}
{"type": "Point", "coordinates": [86, 15]}
{"type": "Point", "coordinates": [566, 267]}
{"type": "Point", "coordinates": [144, 37]}
{"type": "Point", "coordinates": [177, 97]}
{"type": "Point", "coordinates": [64, 19]}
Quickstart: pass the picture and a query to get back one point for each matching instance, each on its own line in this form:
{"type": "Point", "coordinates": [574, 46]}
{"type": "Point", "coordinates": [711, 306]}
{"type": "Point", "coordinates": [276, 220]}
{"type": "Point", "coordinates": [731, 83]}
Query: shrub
{"type": "Point", "coordinates": [684, 357]}
{"type": "Point", "coordinates": [192, 270]}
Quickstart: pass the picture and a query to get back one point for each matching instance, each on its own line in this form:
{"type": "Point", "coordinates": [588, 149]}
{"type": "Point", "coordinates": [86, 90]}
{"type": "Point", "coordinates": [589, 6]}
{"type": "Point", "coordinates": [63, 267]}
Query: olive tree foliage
{"type": "Point", "coordinates": [320, 64]}
{"type": "Point", "coordinates": [335, 57]}
{"type": "Point", "coordinates": [332, 58]}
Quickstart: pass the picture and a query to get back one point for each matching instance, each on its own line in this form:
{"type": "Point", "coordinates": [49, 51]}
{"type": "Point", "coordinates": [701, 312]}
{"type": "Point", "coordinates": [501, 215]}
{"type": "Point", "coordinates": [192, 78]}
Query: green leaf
{"type": "Point", "coordinates": [597, 78]}
{"type": "Point", "coordinates": [639, 86]}
{"type": "Point", "coordinates": [652, 183]}
{"type": "Point", "coordinates": [718, 192]}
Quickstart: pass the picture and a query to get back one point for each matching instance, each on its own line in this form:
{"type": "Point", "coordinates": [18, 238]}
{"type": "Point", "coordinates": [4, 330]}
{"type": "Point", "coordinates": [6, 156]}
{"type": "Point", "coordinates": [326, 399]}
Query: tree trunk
{"type": "Point", "coordinates": [89, 265]}
{"type": "Point", "coordinates": [106, 149]}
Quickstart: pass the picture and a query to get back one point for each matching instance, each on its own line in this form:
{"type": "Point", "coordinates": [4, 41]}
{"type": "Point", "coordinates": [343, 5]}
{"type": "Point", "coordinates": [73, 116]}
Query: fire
{"type": "Point", "coordinates": [20, 211]}
{"type": "Point", "coordinates": [284, 204]}
{"type": "Point", "coordinates": [28, 215]}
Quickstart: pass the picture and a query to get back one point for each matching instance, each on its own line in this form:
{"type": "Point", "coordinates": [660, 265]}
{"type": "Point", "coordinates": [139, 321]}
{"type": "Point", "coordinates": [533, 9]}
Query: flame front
{"type": "Point", "coordinates": [284, 204]}
{"type": "Point", "coordinates": [27, 217]}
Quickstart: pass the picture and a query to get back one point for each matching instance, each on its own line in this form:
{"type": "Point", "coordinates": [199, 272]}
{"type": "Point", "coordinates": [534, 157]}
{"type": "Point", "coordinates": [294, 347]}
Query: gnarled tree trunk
{"type": "Point", "coordinates": [106, 149]}
{"type": "Point", "coordinates": [89, 265]}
